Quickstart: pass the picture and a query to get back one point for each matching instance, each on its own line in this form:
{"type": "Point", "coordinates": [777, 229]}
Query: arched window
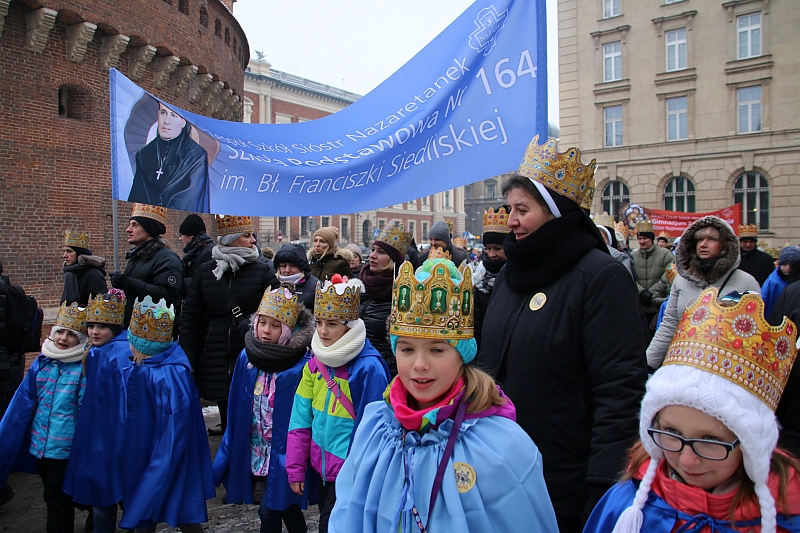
{"type": "Point", "coordinates": [679, 195]}
{"type": "Point", "coordinates": [183, 6]}
{"type": "Point", "coordinates": [74, 101]}
{"type": "Point", "coordinates": [751, 189]}
{"type": "Point", "coordinates": [217, 28]}
{"type": "Point", "coordinates": [614, 193]}
{"type": "Point", "coordinates": [227, 36]}
{"type": "Point", "coordinates": [204, 16]}
{"type": "Point", "coordinates": [235, 46]}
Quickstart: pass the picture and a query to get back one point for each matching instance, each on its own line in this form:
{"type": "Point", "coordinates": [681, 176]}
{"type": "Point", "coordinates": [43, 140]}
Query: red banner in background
{"type": "Point", "coordinates": [675, 222]}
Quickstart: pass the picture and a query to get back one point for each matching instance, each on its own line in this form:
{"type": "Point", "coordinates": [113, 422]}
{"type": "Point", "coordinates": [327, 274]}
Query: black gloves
{"type": "Point", "coordinates": [118, 280]}
{"type": "Point", "coordinates": [646, 297]}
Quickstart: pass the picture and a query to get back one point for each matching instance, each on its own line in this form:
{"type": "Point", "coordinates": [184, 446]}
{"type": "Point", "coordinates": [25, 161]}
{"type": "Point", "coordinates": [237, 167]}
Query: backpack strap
{"type": "Point", "coordinates": [333, 386]}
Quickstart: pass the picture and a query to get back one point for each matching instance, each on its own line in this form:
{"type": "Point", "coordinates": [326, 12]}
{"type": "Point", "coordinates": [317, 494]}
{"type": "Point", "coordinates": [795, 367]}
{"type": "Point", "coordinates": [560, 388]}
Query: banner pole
{"type": "Point", "coordinates": [116, 237]}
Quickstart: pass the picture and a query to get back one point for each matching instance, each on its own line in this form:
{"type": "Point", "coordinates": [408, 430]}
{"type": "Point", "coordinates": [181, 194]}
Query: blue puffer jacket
{"type": "Point", "coordinates": [59, 393]}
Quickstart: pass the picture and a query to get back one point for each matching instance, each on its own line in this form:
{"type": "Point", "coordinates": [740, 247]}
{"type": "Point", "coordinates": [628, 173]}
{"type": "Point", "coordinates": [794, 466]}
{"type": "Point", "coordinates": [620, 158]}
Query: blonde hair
{"type": "Point", "coordinates": [480, 389]}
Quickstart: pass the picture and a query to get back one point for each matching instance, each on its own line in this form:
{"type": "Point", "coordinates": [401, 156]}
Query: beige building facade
{"type": "Point", "coordinates": [687, 105]}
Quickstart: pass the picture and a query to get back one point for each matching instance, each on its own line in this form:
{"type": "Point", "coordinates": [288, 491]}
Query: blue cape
{"type": "Point", "coordinates": [94, 471]}
{"type": "Point", "coordinates": [15, 428]}
{"type": "Point", "coordinates": [232, 462]}
{"type": "Point", "coordinates": [167, 471]}
{"type": "Point", "coordinates": [771, 290]}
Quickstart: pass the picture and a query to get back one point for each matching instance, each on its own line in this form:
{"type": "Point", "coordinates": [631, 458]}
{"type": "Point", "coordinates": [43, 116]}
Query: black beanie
{"type": "Point", "coordinates": [154, 228]}
{"type": "Point", "coordinates": [648, 234]}
{"type": "Point", "coordinates": [81, 251]}
{"type": "Point", "coordinates": [192, 226]}
{"type": "Point", "coordinates": [493, 237]}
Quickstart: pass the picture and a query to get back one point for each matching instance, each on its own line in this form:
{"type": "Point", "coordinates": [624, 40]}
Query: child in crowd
{"type": "Point", "coordinates": [37, 430]}
{"type": "Point", "coordinates": [167, 470]}
{"type": "Point", "coordinates": [253, 449]}
{"type": "Point", "coordinates": [441, 452]}
{"type": "Point", "coordinates": [707, 460]}
{"type": "Point", "coordinates": [94, 470]}
{"type": "Point", "coordinates": [344, 374]}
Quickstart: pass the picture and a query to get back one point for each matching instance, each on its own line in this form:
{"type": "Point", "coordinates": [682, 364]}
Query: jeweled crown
{"type": "Point", "coordinates": [664, 234]}
{"type": "Point", "coordinates": [79, 239]}
{"type": "Point", "coordinates": [748, 230]}
{"type": "Point", "coordinates": [395, 235]}
{"type": "Point", "coordinates": [72, 317]}
{"type": "Point", "coordinates": [562, 173]}
{"type": "Point", "coordinates": [604, 219]}
{"type": "Point", "coordinates": [671, 272]}
{"type": "Point", "coordinates": [338, 301]}
{"type": "Point", "coordinates": [439, 253]}
{"type": "Point", "coordinates": [155, 212]}
{"type": "Point", "coordinates": [231, 224]}
{"type": "Point", "coordinates": [461, 242]}
{"type": "Point", "coordinates": [435, 307]}
{"type": "Point", "coordinates": [152, 321]}
{"type": "Point", "coordinates": [106, 311]}
{"type": "Point", "coordinates": [496, 221]}
{"type": "Point", "coordinates": [736, 343]}
{"type": "Point", "coordinates": [645, 225]}
{"type": "Point", "coordinates": [280, 304]}
{"type": "Point", "coordinates": [622, 228]}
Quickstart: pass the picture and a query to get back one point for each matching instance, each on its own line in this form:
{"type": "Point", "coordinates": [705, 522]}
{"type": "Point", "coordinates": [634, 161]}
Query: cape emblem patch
{"type": "Point", "coordinates": [465, 477]}
{"type": "Point", "coordinates": [538, 301]}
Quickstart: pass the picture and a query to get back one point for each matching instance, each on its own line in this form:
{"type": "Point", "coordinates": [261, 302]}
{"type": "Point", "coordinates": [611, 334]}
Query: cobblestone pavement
{"type": "Point", "coordinates": [26, 513]}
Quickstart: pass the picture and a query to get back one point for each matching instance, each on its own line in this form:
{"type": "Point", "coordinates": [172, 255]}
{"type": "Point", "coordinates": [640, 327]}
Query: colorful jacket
{"type": "Point", "coordinates": [94, 471]}
{"type": "Point", "coordinates": [320, 426]}
{"type": "Point", "coordinates": [671, 504]}
{"type": "Point", "coordinates": [59, 393]}
{"type": "Point", "coordinates": [15, 428]}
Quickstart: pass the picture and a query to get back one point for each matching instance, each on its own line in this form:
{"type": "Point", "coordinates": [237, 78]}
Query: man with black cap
{"type": "Point", "coordinates": [755, 262]}
{"type": "Point", "coordinates": [440, 237]}
{"type": "Point", "coordinates": [650, 263]}
{"type": "Point", "coordinates": [292, 265]}
{"type": "Point", "coordinates": [197, 246]}
{"type": "Point", "coordinates": [152, 269]}
{"type": "Point", "coordinates": [495, 231]}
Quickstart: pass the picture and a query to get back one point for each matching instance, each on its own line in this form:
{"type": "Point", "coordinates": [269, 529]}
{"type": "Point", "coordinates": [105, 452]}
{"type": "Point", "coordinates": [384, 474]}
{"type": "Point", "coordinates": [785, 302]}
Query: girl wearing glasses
{"type": "Point", "coordinates": [707, 461]}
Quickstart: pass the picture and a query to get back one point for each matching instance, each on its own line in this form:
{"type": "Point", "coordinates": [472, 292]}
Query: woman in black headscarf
{"type": "Point", "coordinates": [84, 276]}
{"type": "Point", "coordinates": [172, 170]}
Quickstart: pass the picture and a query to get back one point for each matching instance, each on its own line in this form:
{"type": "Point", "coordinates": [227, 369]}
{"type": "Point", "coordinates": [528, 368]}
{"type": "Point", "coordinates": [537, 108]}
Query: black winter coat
{"type": "Point", "coordinates": [158, 274]}
{"type": "Point", "coordinates": [91, 279]}
{"type": "Point", "coordinates": [758, 264]}
{"type": "Point", "coordinates": [575, 370]}
{"type": "Point", "coordinates": [788, 411]}
{"type": "Point", "coordinates": [209, 335]}
{"type": "Point", "coordinates": [306, 292]}
{"type": "Point", "coordinates": [375, 313]}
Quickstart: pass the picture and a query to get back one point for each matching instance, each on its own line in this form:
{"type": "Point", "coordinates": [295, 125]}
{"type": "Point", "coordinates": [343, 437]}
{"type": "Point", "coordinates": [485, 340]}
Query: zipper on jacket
{"type": "Point", "coordinates": [322, 444]}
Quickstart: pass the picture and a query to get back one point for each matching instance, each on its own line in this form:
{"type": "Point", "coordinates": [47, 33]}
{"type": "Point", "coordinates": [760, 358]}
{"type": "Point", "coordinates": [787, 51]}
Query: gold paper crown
{"type": "Point", "coordinates": [230, 224]}
{"type": "Point", "coordinates": [79, 239]}
{"type": "Point", "coordinates": [496, 221]}
{"type": "Point", "coordinates": [736, 343]}
{"type": "Point", "coordinates": [604, 219]}
{"type": "Point", "coordinates": [72, 317]}
{"type": "Point", "coordinates": [664, 234]}
{"type": "Point", "coordinates": [157, 213]}
{"type": "Point", "coordinates": [340, 301]}
{"type": "Point", "coordinates": [671, 273]}
{"type": "Point", "coordinates": [439, 253]}
{"type": "Point", "coordinates": [622, 228]}
{"type": "Point", "coordinates": [748, 230]}
{"type": "Point", "coordinates": [152, 321]}
{"type": "Point", "coordinates": [646, 226]}
{"type": "Point", "coordinates": [279, 306]}
{"type": "Point", "coordinates": [102, 311]}
{"type": "Point", "coordinates": [562, 173]}
{"type": "Point", "coordinates": [395, 235]}
{"type": "Point", "coordinates": [433, 308]}
{"type": "Point", "coordinates": [461, 242]}
{"type": "Point", "coordinates": [449, 225]}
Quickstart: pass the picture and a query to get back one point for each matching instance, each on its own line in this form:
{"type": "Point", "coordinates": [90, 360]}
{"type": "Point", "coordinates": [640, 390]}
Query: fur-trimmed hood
{"type": "Point", "coordinates": [686, 260]}
{"type": "Point", "coordinates": [340, 253]}
{"type": "Point", "coordinates": [92, 261]}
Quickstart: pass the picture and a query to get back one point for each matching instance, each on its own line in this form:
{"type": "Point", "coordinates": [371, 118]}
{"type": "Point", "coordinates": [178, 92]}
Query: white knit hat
{"type": "Point", "coordinates": [683, 381]}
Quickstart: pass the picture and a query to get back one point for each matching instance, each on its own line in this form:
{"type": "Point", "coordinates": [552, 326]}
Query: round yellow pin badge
{"type": "Point", "coordinates": [537, 301]}
{"type": "Point", "coordinates": [259, 388]}
{"type": "Point", "coordinates": [465, 476]}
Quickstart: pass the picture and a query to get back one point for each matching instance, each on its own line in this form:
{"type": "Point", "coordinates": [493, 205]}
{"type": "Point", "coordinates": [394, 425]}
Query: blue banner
{"type": "Point", "coordinates": [462, 110]}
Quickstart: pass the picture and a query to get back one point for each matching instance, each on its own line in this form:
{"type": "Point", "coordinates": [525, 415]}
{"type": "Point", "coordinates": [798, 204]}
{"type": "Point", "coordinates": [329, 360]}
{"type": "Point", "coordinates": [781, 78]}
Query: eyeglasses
{"type": "Point", "coordinates": [707, 449]}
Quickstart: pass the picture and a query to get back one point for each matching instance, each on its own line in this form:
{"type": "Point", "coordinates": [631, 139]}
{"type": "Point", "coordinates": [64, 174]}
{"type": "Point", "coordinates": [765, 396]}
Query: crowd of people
{"type": "Point", "coordinates": [561, 383]}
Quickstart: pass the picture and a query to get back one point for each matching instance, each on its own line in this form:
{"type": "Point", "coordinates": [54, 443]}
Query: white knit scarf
{"type": "Point", "coordinates": [70, 355]}
{"type": "Point", "coordinates": [231, 258]}
{"type": "Point", "coordinates": [345, 349]}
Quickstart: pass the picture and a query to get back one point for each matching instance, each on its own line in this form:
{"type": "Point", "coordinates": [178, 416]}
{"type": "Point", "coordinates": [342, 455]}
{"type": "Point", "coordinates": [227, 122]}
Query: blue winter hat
{"type": "Point", "coordinates": [467, 348]}
{"type": "Point", "coordinates": [789, 254]}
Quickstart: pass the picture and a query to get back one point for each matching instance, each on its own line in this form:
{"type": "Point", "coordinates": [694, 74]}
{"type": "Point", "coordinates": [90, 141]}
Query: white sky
{"type": "Point", "coordinates": [356, 44]}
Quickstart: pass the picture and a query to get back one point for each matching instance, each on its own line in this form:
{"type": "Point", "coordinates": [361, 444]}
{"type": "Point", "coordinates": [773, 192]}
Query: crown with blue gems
{"type": "Point", "coordinates": [280, 304]}
{"type": "Point", "coordinates": [496, 221]}
{"type": "Point", "coordinates": [152, 321]}
{"type": "Point", "coordinates": [79, 239]}
{"type": "Point", "coordinates": [154, 212]}
{"type": "Point", "coordinates": [72, 317]}
{"type": "Point", "coordinates": [604, 219]}
{"type": "Point", "coordinates": [395, 235]}
{"type": "Point", "coordinates": [338, 299]}
{"type": "Point", "coordinates": [432, 307]}
{"type": "Point", "coordinates": [232, 224]}
{"type": "Point", "coordinates": [562, 173]}
{"type": "Point", "coordinates": [735, 342]}
{"type": "Point", "coordinates": [107, 308]}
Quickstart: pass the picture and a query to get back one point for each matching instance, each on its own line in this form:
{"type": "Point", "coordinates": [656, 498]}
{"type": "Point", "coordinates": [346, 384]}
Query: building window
{"type": "Point", "coordinates": [280, 118]}
{"type": "Point", "coordinates": [613, 125]}
{"type": "Point", "coordinates": [204, 16]}
{"type": "Point", "coordinates": [282, 225]}
{"type": "Point", "coordinates": [326, 221]}
{"type": "Point", "coordinates": [751, 189]}
{"type": "Point", "coordinates": [447, 198]}
{"type": "Point", "coordinates": [610, 8]}
{"type": "Point", "coordinates": [381, 224]}
{"type": "Point", "coordinates": [468, 192]}
{"type": "Point", "coordinates": [412, 229]}
{"type": "Point", "coordinates": [183, 6]}
{"type": "Point", "coordinates": [424, 230]}
{"type": "Point", "coordinates": [748, 31]}
{"type": "Point", "coordinates": [679, 195]}
{"type": "Point", "coordinates": [303, 226]}
{"type": "Point", "coordinates": [676, 49]}
{"type": "Point", "coordinates": [612, 61]}
{"type": "Point", "coordinates": [345, 222]}
{"type": "Point", "coordinates": [615, 194]}
{"type": "Point", "coordinates": [217, 28]}
{"type": "Point", "coordinates": [74, 102]}
{"type": "Point", "coordinates": [677, 118]}
{"type": "Point", "coordinates": [425, 203]}
{"type": "Point", "coordinates": [227, 36]}
{"type": "Point", "coordinates": [235, 46]}
{"type": "Point", "coordinates": [749, 109]}
{"type": "Point", "coordinates": [491, 190]}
